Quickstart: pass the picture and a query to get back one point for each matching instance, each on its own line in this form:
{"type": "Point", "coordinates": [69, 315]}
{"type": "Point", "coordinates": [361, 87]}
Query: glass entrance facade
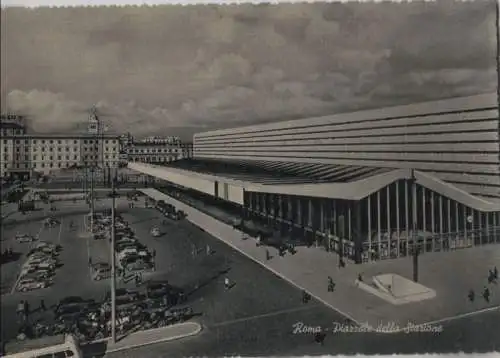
{"type": "Point", "coordinates": [389, 223]}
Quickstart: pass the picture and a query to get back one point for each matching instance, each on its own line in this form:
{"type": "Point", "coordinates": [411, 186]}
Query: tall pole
{"type": "Point", "coordinates": [113, 264]}
{"type": "Point", "coordinates": [497, 22]}
{"type": "Point", "coordinates": [414, 227]}
{"type": "Point", "coordinates": [91, 199]}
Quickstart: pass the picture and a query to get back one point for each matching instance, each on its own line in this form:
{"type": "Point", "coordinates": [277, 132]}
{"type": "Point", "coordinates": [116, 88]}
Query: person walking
{"type": "Point", "coordinates": [331, 284]}
{"type": "Point", "coordinates": [138, 280]}
{"type": "Point", "coordinates": [194, 250]}
{"type": "Point", "coordinates": [227, 283]}
{"type": "Point", "coordinates": [20, 310]}
{"type": "Point", "coordinates": [304, 296]}
{"type": "Point", "coordinates": [42, 305]}
{"type": "Point", "coordinates": [495, 272]}
{"type": "Point", "coordinates": [486, 294]}
{"type": "Point", "coordinates": [471, 295]}
{"type": "Point", "coordinates": [209, 250]}
{"type": "Point", "coordinates": [26, 310]}
{"type": "Point", "coordinates": [268, 256]}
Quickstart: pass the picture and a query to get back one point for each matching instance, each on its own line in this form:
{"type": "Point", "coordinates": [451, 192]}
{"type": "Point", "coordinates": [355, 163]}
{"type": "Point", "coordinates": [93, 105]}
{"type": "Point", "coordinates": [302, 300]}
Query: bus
{"type": "Point", "coordinates": [60, 346]}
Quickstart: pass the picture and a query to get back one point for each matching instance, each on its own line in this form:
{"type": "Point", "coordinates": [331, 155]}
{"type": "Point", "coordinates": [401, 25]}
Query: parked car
{"type": "Point", "coordinates": [25, 238]}
{"type": "Point", "coordinates": [101, 271]}
{"type": "Point", "coordinates": [51, 222]}
{"type": "Point", "coordinates": [155, 232]}
{"type": "Point", "coordinates": [126, 239]}
{"type": "Point", "coordinates": [42, 275]}
{"type": "Point", "coordinates": [30, 284]}
{"type": "Point", "coordinates": [42, 244]}
{"type": "Point", "coordinates": [41, 264]}
{"type": "Point", "coordinates": [72, 301]}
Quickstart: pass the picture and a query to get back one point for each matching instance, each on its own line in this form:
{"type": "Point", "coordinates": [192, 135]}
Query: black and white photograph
{"type": "Point", "coordinates": [255, 180]}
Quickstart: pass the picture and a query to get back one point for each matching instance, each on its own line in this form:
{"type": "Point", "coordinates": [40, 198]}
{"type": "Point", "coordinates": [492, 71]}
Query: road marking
{"type": "Point", "coordinates": [265, 315]}
{"type": "Point", "coordinates": [60, 231]}
{"type": "Point", "coordinates": [459, 316]}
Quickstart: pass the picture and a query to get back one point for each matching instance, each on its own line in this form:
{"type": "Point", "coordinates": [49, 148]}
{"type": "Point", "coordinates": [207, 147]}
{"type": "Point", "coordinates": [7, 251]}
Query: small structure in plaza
{"type": "Point", "coordinates": [396, 289]}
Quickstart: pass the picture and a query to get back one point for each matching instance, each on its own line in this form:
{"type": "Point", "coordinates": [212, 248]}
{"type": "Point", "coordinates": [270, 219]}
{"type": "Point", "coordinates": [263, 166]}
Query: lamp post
{"type": "Point", "coordinates": [113, 263]}
{"type": "Point", "coordinates": [416, 249]}
{"type": "Point", "coordinates": [92, 199]}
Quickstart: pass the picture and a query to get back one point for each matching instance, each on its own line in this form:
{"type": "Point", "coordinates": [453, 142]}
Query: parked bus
{"type": "Point", "coordinates": [60, 346]}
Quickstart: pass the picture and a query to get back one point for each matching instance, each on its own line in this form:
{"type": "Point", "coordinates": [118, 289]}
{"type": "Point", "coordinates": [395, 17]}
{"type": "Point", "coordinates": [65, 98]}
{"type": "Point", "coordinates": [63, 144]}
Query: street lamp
{"type": "Point", "coordinates": [416, 249]}
{"type": "Point", "coordinates": [113, 263]}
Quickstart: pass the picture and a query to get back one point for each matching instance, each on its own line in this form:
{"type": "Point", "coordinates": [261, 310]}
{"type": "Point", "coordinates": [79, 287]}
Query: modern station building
{"type": "Point", "coordinates": [369, 185]}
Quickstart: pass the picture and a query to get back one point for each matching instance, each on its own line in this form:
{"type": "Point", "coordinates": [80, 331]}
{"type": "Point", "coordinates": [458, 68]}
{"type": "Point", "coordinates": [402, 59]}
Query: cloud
{"type": "Point", "coordinates": [175, 69]}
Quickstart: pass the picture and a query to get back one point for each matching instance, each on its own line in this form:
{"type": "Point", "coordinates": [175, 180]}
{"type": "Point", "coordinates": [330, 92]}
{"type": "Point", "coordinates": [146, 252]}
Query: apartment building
{"type": "Point", "coordinates": [23, 154]}
{"type": "Point", "coordinates": [157, 150]}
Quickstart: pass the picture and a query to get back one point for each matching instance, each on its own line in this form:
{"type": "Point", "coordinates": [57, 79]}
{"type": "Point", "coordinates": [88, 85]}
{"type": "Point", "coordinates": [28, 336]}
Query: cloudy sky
{"type": "Point", "coordinates": [179, 70]}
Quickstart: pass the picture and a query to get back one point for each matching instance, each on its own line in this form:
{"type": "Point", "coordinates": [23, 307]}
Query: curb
{"type": "Point", "coordinates": [157, 341]}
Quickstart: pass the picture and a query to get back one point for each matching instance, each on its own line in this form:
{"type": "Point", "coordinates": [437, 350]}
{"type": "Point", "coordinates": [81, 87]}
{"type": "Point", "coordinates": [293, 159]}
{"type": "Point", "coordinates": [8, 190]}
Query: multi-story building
{"type": "Point", "coordinates": [156, 150]}
{"type": "Point", "coordinates": [25, 154]}
{"type": "Point", "coordinates": [12, 124]}
{"type": "Point", "coordinates": [370, 185]}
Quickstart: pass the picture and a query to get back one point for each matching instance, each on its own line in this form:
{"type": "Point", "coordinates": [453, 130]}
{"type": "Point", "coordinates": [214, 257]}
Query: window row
{"type": "Point", "coordinates": [60, 141]}
{"type": "Point", "coordinates": [159, 150]}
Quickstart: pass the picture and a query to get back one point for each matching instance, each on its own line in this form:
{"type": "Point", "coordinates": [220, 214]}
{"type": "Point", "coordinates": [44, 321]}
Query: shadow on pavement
{"type": "Point", "coordinates": [13, 257]}
{"type": "Point", "coordinates": [207, 282]}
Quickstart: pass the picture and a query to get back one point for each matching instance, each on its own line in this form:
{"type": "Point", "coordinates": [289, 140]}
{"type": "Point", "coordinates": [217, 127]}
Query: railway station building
{"type": "Point", "coordinates": [369, 185]}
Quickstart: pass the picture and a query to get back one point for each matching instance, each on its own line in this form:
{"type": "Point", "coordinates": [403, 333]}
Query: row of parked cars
{"type": "Point", "coordinates": [130, 254]}
{"type": "Point", "coordinates": [169, 210]}
{"type": "Point", "coordinates": [40, 267]}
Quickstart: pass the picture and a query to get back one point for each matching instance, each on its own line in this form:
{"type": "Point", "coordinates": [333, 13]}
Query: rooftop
{"type": "Point", "coordinates": [329, 181]}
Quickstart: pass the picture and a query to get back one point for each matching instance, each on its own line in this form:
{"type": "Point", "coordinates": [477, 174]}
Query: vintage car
{"type": "Point", "coordinates": [31, 284]}
{"type": "Point", "coordinates": [101, 271]}
{"type": "Point", "coordinates": [51, 222]}
{"type": "Point", "coordinates": [155, 232]}
{"type": "Point", "coordinates": [25, 238]}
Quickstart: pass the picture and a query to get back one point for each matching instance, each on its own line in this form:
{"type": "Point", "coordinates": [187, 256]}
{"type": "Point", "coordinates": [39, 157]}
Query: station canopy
{"type": "Point", "coordinates": [349, 182]}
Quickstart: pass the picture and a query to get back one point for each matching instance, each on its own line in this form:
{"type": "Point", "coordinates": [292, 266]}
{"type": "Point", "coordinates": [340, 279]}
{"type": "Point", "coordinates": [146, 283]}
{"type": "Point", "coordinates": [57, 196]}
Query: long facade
{"type": "Point", "coordinates": [369, 185]}
{"type": "Point", "coordinates": [24, 155]}
{"type": "Point", "coordinates": [455, 140]}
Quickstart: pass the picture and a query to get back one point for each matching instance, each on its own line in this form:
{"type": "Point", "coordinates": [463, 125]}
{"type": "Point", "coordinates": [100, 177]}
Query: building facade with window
{"type": "Point", "coordinates": [367, 185]}
{"type": "Point", "coordinates": [25, 155]}
{"type": "Point", "coordinates": [156, 150]}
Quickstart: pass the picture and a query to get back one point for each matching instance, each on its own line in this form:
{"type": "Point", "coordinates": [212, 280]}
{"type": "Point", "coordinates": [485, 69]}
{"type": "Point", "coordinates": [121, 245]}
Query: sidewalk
{"type": "Point", "coordinates": [154, 336]}
{"type": "Point", "coordinates": [309, 269]}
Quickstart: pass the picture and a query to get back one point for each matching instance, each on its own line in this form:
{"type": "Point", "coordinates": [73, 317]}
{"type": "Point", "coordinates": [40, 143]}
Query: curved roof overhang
{"type": "Point", "coordinates": [354, 190]}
